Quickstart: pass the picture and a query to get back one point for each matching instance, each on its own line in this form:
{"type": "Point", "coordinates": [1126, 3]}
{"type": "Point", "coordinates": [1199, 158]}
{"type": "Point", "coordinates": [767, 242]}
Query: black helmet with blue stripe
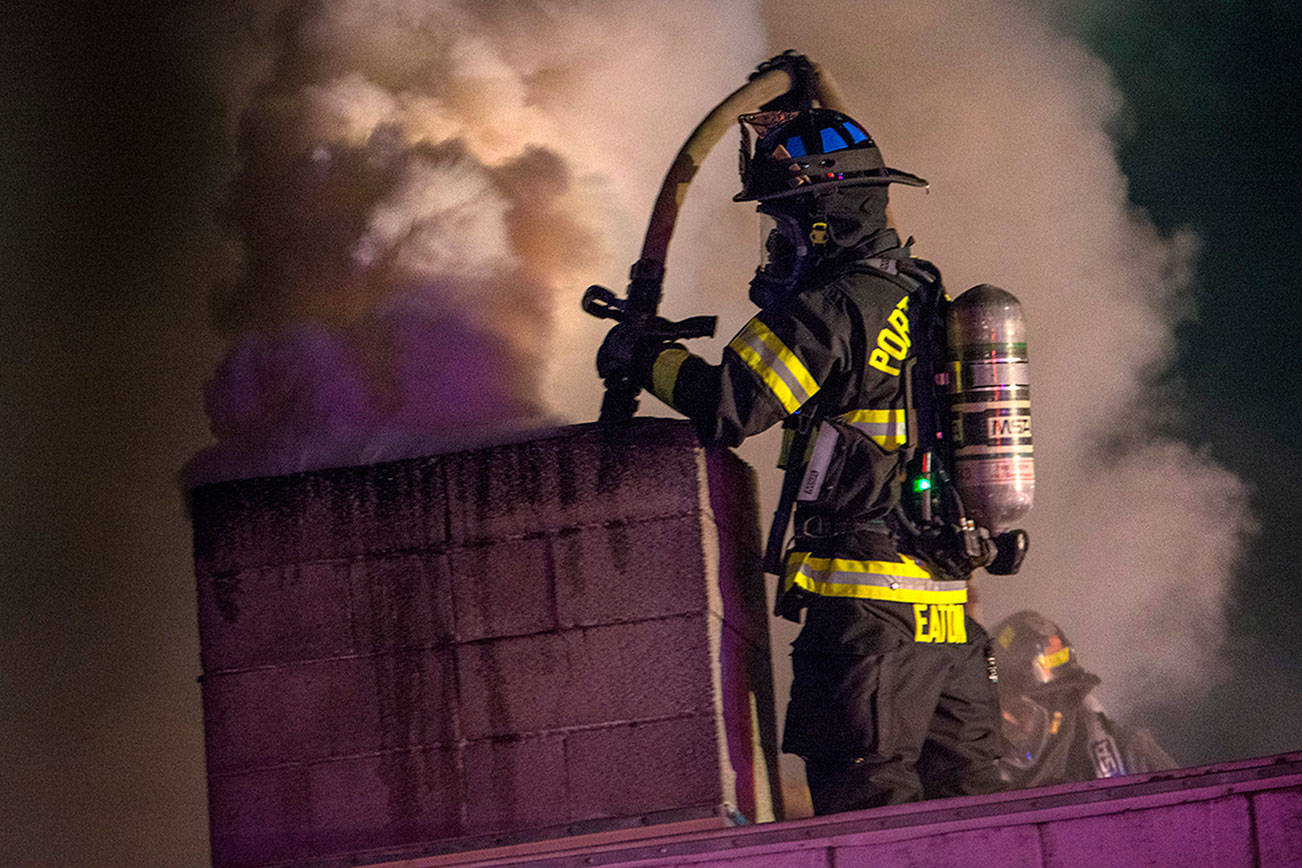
{"type": "Point", "coordinates": [797, 152]}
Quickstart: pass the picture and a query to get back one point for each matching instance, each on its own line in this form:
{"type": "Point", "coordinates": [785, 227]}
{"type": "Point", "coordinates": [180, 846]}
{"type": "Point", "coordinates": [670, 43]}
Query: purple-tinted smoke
{"type": "Point", "coordinates": [392, 298]}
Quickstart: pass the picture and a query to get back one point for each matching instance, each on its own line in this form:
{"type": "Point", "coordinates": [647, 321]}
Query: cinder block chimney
{"type": "Point", "coordinates": [549, 637]}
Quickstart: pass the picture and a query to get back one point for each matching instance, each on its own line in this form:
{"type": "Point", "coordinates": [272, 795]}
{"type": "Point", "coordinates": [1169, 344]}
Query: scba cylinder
{"type": "Point", "coordinates": [990, 406]}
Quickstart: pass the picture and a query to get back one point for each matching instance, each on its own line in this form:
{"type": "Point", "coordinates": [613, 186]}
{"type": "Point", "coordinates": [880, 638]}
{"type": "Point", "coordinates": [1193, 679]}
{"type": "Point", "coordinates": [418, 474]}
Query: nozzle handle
{"type": "Point", "coordinates": [692, 327]}
{"type": "Point", "coordinates": [603, 304]}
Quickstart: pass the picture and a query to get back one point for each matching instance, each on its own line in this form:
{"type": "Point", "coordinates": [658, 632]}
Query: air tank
{"type": "Point", "coordinates": [990, 406]}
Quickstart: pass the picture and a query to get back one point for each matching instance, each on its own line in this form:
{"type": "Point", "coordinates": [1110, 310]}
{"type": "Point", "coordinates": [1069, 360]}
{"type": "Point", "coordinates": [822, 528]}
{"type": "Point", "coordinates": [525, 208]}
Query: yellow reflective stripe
{"type": "Point", "coordinates": [887, 428]}
{"type": "Point", "coordinates": [664, 373]}
{"type": "Point", "coordinates": [771, 379]}
{"type": "Point", "coordinates": [902, 581]}
{"type": "Point", "coordinates": [780, 369]}
{"type": "Point", "coordinates": [792, 362]}
{"type": "Point", "coordinates": [1055, 659]}
{"type": "Point", "coordinates": [876, 592]}
{"type": "Point", "coordinates": [904, 568]}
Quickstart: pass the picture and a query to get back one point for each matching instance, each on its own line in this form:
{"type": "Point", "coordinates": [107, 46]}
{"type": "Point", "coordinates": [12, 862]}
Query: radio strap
{"type": "Point", "coordinates": [806, 422]}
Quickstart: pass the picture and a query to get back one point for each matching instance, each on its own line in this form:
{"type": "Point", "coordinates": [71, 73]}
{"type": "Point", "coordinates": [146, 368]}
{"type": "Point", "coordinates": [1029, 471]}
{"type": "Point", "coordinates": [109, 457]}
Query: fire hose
{"type": "Point", "coordinates": [789, 77]}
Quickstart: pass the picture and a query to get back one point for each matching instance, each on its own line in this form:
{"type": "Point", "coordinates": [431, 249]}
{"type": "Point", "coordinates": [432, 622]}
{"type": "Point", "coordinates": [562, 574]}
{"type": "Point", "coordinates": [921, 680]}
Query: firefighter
{"type": "Point", "coordinates": [1054, 730]}
{"type": "Point", "coordinates": [892, 700]}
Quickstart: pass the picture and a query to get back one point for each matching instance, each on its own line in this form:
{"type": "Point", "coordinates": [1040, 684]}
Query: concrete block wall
{"type": "Point", "coordinates": [489, 643]}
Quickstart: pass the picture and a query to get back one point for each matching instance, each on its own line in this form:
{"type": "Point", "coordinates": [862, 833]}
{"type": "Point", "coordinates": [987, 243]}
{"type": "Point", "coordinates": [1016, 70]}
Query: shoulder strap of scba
{"type": "Point", "coordinates": [927, 308]}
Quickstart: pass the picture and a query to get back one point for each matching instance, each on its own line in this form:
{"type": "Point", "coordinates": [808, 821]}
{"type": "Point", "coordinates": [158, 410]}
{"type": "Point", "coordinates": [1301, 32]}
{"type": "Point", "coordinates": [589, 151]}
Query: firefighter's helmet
{"type": "Point", "coordinates": [803, 151]}
{"type": "Point", "coordinates": [1033, 653]}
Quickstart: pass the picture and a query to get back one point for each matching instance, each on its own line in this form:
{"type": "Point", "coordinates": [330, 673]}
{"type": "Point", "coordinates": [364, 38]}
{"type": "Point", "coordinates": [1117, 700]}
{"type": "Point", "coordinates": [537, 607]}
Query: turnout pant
{"type": "Point", "coordinates": [911, 720]}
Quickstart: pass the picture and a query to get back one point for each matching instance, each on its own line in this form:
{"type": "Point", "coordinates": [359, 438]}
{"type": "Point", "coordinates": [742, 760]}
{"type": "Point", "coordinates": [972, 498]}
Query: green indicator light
{"type": "Point", "coordinates": [921, 484]}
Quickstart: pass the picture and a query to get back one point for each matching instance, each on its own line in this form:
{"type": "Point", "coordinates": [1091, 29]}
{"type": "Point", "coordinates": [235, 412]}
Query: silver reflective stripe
{"type": "Point", "coordinates": [881, 430]}
{"type": "Point", "coordinates": [780, 369]}
{"type": "Point", "coordinates": [841, 577]}
{"type": "Point", "coordinates": [1105, 755]}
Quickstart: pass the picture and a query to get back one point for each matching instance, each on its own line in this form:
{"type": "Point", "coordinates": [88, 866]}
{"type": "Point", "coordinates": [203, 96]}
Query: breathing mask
{"type": "Point", "coordinates": [1026, 729]}
{"type": "Point", "coordinates": [787, 254]}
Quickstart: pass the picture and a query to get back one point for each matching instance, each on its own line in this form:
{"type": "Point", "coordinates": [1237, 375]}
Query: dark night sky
{"type": "Point", "coordinates": [1208, 141]}
{"type": "Point", "coordinates": [113, 158]}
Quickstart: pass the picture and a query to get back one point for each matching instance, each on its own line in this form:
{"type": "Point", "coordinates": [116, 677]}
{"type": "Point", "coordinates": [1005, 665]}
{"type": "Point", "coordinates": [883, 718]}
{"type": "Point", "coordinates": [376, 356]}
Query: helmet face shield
{"type": "Point", "coordinates": [755, 130]}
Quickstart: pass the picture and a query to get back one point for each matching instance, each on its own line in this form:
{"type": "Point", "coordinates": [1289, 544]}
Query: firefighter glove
{"type": "Point", "coordinates": [628, 353]}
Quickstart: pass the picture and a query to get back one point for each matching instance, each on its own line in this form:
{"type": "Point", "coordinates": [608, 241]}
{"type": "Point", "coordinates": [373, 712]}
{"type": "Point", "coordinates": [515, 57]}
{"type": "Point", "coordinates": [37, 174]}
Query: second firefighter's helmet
{"type": "Point", "coordinates": [1033, 653]}
{"type": "Point", "coordinates": [803, 151]}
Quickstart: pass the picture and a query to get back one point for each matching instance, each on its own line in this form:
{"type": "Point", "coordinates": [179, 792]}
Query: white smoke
{"type": "Point", "coordinates": [420, 187]}
{"type": "Point", "coordinates": [1133, 535]}
{"type": "Point", "coordinates": [425, 188]}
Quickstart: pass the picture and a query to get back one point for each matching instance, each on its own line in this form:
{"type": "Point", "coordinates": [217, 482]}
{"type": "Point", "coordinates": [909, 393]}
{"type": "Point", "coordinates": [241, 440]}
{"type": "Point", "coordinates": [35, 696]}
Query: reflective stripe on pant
{"type": "Point", "coordinates": [917, 721]}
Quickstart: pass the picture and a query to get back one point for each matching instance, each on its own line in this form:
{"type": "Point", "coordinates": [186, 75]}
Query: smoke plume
{"type": "Point", "coordinates": [420, 185]}
{"type": "Point", "coordinates": [1134, 535]}
{"type": "Point", "coordinates": [424, 189]}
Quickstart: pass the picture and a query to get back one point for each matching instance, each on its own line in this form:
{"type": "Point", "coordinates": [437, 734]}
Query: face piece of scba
{"type": "Point", "coordinates": [784, 257]}
{"type": "Point", "coordinates": [990, 406]}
